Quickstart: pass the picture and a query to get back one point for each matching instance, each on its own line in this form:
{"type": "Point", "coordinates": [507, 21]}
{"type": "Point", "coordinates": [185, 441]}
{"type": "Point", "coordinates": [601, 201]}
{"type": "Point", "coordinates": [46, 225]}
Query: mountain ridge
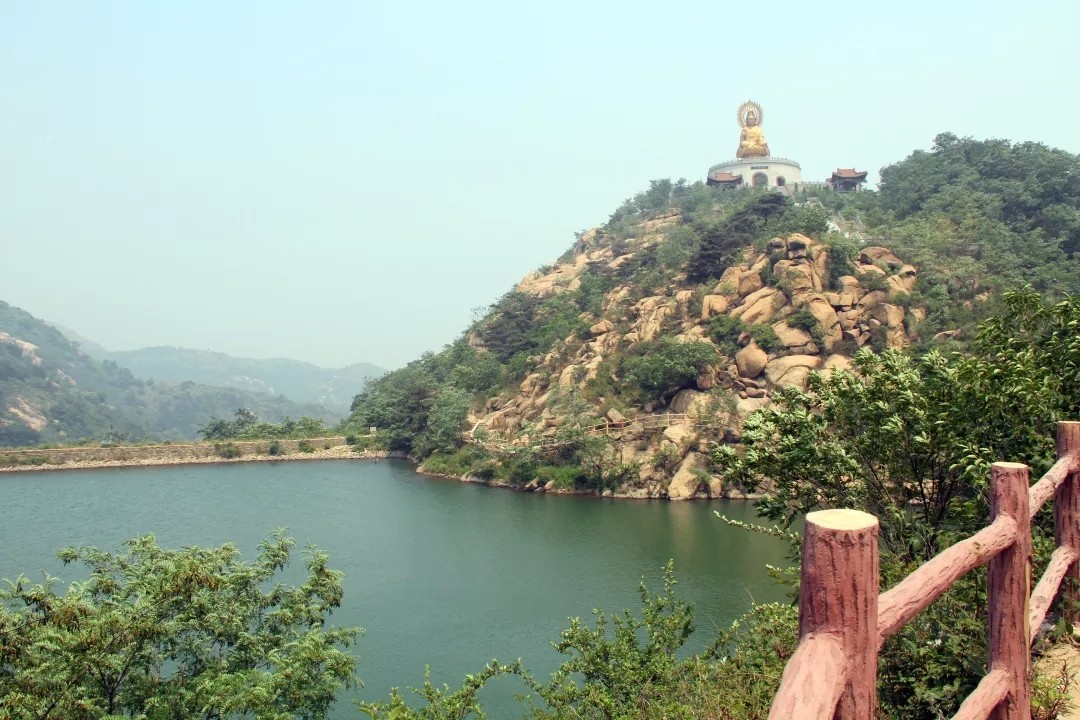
{"type": "Point", "coordinates": [51, 391]}
{"type": "Point", "coordinates": [298, 380]}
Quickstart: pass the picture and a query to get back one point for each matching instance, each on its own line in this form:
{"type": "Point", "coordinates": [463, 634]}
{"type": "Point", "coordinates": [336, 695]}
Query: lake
{"type": "Point", "coordinates": [437, 572]}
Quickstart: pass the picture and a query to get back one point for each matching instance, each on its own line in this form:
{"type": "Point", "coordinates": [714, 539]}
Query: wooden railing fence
{"type": "Point", "coordinates": [844, 621]}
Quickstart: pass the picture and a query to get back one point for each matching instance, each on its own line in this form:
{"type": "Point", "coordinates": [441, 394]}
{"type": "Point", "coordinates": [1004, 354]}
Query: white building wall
{"type": "Point", "coordinates": [774, 169]}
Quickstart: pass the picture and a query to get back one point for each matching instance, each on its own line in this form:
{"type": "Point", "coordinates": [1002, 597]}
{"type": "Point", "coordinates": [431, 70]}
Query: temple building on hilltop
{"type": "Point", "coordinates": [754, 165]}
{"type": "Point", "coordinates": [846, 180]}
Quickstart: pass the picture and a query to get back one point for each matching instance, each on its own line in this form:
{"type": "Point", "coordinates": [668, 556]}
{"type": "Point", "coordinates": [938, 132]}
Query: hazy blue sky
{"type": "Point", "coordinates": [344, 181]}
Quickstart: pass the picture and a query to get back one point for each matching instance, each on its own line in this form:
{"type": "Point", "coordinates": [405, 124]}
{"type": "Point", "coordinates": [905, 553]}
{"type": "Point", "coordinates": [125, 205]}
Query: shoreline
{"type": "Point", "coordinates": [542, 490]}
{"type": "Point", "coordinates": [196, 454]}
{"type": "Point", "coordinates": [337, 452]}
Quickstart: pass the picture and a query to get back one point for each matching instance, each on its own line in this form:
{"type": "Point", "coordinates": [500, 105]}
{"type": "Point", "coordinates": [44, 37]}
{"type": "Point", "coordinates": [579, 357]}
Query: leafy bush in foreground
{"type": "Point", "coordinates": [156, 633]}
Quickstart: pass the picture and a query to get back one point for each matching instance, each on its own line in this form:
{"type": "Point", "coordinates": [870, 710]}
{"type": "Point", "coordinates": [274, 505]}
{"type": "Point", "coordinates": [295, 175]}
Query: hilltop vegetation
{"type": "Point", "coordinates": [52, 392]}
{"type": "Point", "coordinates": [707, 302]}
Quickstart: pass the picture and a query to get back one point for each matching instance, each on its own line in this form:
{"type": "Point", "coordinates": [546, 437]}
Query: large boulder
{"type": "Point", "coordinates": [903, 282]}
{"type": "Point", "coordinates": [827, 318]}
{"type": "Point", "coordinates": [866, 270]}
{"type": "Point", "coordinates": [747, 405]}
{"type": "Point", "coordinates": [749, 283]}
{"type": "Point", "coordinates": [681, 436]}
{"type": "Point", "coordinates": [850, 284]}
{"type": "Point", "coordinates": [760, 306]}
{"type": "Point", "coordinates": [602, 327]}
{"type": "Point", "coordinates": [888, 315]}
{"type": "Point", "coordinates": [684, 484]}
{"type": "Point", "coordinates": [835, 363]}
{"type": "Point", "coordinates": [874, 255]}
{"type": "Point", "coordinates": [796, 377]}
{"type": "Point", "coordinates": [798, 274]}
{"type": "Point", "coordinates": [729, 281]}
{"type": "Point", "coordinates": [652, 312]}
{"type": "Point", "coordinates": [776, 370]}
{"type": "Point", "coordinates": [688, 401]}
{"type": "Point", "coordinates": [791, 337]}
{"type": "Point", "coordinates": [713, 305]}
{"type": "Point", "coordinates": [871, 299]}
{"type": "Point", "coordinates": [751, 360]}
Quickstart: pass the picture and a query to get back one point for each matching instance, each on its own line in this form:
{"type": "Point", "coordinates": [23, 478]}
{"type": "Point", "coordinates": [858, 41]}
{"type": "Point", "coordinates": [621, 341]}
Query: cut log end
{"type": "Point", "coordinates": [1009, 466]}
{"type": "Point", "coordinates": [842, 519]}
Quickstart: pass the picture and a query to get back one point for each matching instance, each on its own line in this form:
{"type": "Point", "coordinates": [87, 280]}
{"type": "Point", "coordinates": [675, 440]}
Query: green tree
{"type": "Point", "coordinates": [669, 365]}
{"type": "Point", "coordinates": [721, 242]}
{"type": "Point", "coordinates": [631, 671]}
{"type": "Point", "coordinates": [445, 421]}
{"type": "Point", "coordinates": [911, 440]}
{"type": "Point", "coordinates": [157, 633]}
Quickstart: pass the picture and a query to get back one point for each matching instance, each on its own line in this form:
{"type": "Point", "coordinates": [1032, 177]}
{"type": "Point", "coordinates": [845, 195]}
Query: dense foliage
{"type": "Point", "coordinates": [157, 633]}
{"type": "Point", "coordinates": [246, 425]}
{"type": "Point", "coordinates": [911, 441]}
{"type": "Point", "coordinates": [977, 216]}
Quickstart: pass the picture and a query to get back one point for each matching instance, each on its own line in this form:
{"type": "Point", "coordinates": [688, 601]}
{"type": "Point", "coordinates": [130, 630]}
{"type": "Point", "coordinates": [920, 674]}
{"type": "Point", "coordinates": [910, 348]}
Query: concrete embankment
{"type": "Point", "coordinates": [79, 458]}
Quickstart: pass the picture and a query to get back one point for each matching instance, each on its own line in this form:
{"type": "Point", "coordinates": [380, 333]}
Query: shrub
{"type": "Point", "coordinates": [719, 244]}
{"type": "Point", "coordinates": [629, 671]}
{"type": "Point", "coordinates": [350, 439]}
{"type": "Point", "coordinates": [195, 632]}
{"type": "Point", "coordinates": [274, 448]}
{"type": "Point", "coordinates": [873, 281]}
{"type": "Point", "coordinates": [724, 330]}
{"type": "Point", "coordinates": [766, 338]}
{"type": "Point", "coordinates": [305, 447]}
{"type": "Point", "coordinates": [668, 365]}
{"type": "Point", "coordinates": [227, 450]}
{"type": "Point", "coordinates": [667, 458]}
{"type": "Point", "coordinates": [565, 476]}
{"type": "Point", "coordinates": [466, 460]}
{"type": "Point", "coordinates": [804, 320]}
{"type": "Point", "coordinates": [840, 251]}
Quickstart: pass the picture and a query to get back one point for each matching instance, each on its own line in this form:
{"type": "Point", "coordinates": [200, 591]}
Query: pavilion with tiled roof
{"type": "Point", "coordinates": [724, 178]}
{"type": "Point", "coordinates": [847, 180]}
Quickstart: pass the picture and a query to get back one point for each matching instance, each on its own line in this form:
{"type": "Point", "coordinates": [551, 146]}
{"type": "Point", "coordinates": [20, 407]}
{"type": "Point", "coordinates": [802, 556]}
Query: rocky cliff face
{"type": "Point", "coordinates": [820, 312]}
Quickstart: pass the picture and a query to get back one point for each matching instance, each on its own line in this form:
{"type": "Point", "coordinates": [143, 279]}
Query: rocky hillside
{"type": "Point", "coordinates": [769, 321]}
{"type": "Point", "coordinates": [611, 370]}
{"type": "Point", "coordinates": [657, 334]}
{"type": "Point", "coordinates": [50, 391]}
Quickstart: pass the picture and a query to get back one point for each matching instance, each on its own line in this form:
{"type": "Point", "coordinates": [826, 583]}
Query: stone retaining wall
{"type": "Point", "coordinates": [136, 453]}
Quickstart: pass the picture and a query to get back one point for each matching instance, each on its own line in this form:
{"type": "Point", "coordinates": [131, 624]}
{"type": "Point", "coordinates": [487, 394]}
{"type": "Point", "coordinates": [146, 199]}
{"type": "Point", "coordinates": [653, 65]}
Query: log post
{"type": "Point", "coordinates": [838, 595]}
{"type": "Point", "coordinates": [1067, 518]}
{"type": "Point", "coordinates": [1008, 586]}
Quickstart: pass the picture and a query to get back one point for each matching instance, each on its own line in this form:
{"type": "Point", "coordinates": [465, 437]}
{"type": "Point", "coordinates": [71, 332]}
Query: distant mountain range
{"type": "Point", "coordinates": [301, 381]}
{"type": "Point", "coordinates": [54, 390]}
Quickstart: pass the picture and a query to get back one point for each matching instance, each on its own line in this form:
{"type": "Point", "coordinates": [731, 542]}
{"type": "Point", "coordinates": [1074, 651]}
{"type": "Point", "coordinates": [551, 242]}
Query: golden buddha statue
{"type": "Point", "coordinates": [752, 142]}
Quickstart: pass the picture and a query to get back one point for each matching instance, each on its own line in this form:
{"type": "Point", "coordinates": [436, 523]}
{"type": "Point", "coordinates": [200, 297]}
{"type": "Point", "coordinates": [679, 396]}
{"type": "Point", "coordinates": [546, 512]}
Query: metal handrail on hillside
{"type": "Point", "coordinates": [843, 621]}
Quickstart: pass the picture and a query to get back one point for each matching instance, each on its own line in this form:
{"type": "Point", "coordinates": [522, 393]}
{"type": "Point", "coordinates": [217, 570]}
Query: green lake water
{"type": "Point", "coordinates": [437, 572]}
